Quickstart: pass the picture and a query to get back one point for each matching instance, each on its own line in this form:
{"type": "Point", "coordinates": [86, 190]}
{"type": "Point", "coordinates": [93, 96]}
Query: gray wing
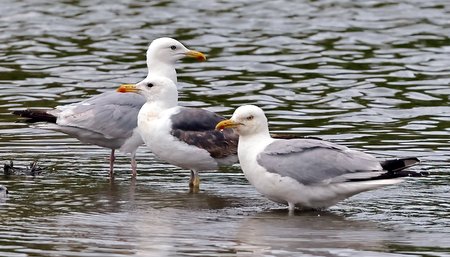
{"type": "Point", "coordinates": [107, 98]}
{"type": "Point", "coordinates": [312, 161]}
{"type": "Point", "coordinates": [111, 114]}
{"type": "Point", "coordinates": [197, 127]}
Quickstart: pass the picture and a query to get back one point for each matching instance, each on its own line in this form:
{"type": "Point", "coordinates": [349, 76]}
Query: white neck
{"type": "Point", "coordinates": [250, 145]}
{"type": "Point", "coordinates": [163, 69]}
{"type": "Point", "coordinates": [261, 138]}
{"type": "Point", "coordinates": [157, 106]}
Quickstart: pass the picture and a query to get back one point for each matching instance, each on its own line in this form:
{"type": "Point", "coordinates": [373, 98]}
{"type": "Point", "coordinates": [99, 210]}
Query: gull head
{"type": "Point", "coordinates": [153, 88]}
{"type": "Point", "coordinates": [169, 50]}
{"type": "Point", "coordinates": [246, 120]}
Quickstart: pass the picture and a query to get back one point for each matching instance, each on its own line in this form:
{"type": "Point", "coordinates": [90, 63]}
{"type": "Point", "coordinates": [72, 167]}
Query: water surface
{"type": "Point", "coordinates": [372, 75]}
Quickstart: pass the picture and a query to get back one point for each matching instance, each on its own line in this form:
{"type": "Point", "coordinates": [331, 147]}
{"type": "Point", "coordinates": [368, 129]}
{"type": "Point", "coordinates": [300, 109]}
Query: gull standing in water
{"type": "Point", "coordinates": [309, 173]}
{"type": "Point", "coordinates": [110, 119]}
{"type": "Point", "coordinates": [182, 136]}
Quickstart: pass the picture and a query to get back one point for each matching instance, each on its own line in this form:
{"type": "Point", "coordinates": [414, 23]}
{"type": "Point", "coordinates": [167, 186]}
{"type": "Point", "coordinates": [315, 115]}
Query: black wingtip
{"type": "Point", "coordinates": [398, 168]}
{"type": "Point", "coordinates": [32, 116]}
{"type": "Point", "coordinates": [396, 165]}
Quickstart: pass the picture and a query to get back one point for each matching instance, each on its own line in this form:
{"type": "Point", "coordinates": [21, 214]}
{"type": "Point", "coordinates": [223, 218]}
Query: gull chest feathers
{"type": "Point", "coordinates": [149, 122]}
{"type": "Point", "coordinates": [248, 154]}
{"type": "Point", "coordinates": [267, 183]}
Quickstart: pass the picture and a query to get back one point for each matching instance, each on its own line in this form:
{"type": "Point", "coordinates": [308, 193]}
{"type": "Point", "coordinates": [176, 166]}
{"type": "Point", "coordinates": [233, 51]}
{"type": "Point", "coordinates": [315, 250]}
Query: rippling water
{"type": "Point", "coordinates": [373, 75]}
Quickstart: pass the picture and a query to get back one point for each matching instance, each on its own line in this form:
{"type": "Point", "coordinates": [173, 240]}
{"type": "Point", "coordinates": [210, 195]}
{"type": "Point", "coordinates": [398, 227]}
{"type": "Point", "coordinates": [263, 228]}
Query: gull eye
{"type": "Point", "coordinates": [250, 117]}
{"type": "Point", "coordinates": [149, 85]}
{"type": "Point", "coordinates": [173, 47]}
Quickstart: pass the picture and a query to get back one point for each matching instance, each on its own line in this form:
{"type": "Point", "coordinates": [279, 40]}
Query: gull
{"type": "Point", "coordinates": [308, 173]}
{"type": "Point", "coordinates": [110, 119]}
{"type": "Point", "coordinates": [182, 136]}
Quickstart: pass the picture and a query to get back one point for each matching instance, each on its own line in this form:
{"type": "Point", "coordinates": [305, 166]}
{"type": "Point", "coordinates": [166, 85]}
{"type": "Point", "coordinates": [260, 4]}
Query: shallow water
{"type": "Point", "coordinates": [372, 75]}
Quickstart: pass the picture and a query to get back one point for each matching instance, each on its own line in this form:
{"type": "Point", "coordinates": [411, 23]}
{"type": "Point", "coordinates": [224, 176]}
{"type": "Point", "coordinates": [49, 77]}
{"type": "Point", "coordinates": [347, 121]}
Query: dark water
{"type": "Point", "coordinates": [373, 75]}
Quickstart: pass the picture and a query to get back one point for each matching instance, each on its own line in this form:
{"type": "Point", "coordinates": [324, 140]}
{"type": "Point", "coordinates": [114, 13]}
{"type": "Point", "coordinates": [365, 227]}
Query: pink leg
{"type": "Point", "coordinates": [112, 158]}
{"type": "Point", "coordinates": [133, 165]}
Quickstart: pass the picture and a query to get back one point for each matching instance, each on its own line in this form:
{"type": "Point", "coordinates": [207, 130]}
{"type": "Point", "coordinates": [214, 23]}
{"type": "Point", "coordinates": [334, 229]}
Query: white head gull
{"type": "Point", "coordinates": [110, 119]}
{"type": "Point", "coordinates": [309, 173]}
{"type": "Point", "coordinates": [182, 136]}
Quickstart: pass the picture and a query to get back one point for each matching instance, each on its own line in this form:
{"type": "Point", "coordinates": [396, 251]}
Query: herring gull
{"type": "Point", "coordinates": [110, 119]}
{"type": "Point", "coordinates": [309, 173]}
{"type": "Point", "coordinates": [182, 136]}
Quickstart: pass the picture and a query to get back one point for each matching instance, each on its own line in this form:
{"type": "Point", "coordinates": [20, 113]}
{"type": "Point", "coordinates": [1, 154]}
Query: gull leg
{"type": "Point", "coordinates": [291, 208]}
{"type": "Point", "coordinates": [133, 165]}
{"type": "Point", "coordinates": [194, 182]}
{"type": "Point", "coordinates": [112, 158]}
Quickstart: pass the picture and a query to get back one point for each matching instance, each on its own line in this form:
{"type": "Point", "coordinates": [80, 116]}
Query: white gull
{"type": "Point", "coordinates": [309, 173]}
{"type": "Point", "coordinates": [110, 119]}
{"type": "Point", "coordinates": [182, 136]}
